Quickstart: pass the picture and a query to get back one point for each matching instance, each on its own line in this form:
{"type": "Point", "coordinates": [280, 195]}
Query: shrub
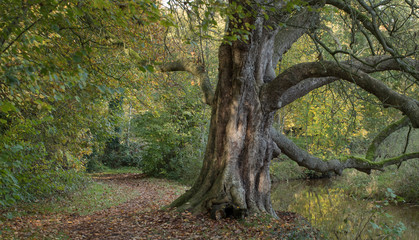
{"type": "Point", "coordinates": [286, 170]}
{"type": "Point", "coordinates": [26, 174]}
{"type": "Point", "coordinates": [173, 148]}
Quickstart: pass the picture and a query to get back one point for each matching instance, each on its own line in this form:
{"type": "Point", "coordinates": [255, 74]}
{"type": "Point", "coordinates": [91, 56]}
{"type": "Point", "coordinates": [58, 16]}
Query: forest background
{"type": "Point", "coordinates": [81, 91]}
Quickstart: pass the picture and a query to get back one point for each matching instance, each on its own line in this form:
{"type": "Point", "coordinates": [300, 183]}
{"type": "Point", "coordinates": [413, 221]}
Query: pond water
{"type": "Point", "coordinates": [342, 217]}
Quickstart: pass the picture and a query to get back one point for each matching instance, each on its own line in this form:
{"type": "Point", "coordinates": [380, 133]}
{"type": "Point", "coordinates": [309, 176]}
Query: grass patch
{"type": "Point", "coordinates": [121, 170]}
{"type": "Point", "coordinates": [94, 197]}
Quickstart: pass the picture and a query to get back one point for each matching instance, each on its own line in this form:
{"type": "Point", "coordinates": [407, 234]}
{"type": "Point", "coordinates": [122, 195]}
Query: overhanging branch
{"type": "Point", "coordinates": [305, 159]}
{"type": "Point", "coordinates": [350, 71]}
{"type": "Point", "coordinates": [372, 25]}
{"type": "Point", "coordinates": [303, 88]}
{"type": "Point", "coordinates": [383, 135]}
{"type": "Point", "coordinates": [197, 70]}
{"type": "Point", "coordinates": [185, 65]}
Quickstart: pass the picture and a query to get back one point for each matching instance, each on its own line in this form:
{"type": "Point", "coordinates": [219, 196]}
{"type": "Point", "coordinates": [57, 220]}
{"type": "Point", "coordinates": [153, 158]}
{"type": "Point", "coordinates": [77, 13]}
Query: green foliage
{"type": "Point", "coordinates": [25, 175]}
{"type": "Point", "coordinates": [286, 170]}
{"type": "Point", "coordinates": [403, 181]}
{"type": "Point", "coordinates": [406, 181]}
{"type": "Point", "coordinates": [385, 226]}
{"type": "Point", "coordinates": [123, 156]}
{"type": "Point", "coordinates": [173, 134]}
{"type": "Point", "coordinates": [169, 149]}
{"type": "Point", "coordinates": [59, 66]}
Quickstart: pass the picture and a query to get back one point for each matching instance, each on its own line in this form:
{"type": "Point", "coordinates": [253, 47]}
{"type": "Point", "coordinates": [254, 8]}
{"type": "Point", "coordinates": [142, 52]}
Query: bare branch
{"type": "Point", "coordinates": [309, 161]}
{"type": "Point", "coordinates": [372, 26]}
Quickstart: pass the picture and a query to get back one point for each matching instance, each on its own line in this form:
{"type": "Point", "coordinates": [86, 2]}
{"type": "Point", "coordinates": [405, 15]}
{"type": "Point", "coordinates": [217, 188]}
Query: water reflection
{"type": "Point", "coordinates": [342, 217]}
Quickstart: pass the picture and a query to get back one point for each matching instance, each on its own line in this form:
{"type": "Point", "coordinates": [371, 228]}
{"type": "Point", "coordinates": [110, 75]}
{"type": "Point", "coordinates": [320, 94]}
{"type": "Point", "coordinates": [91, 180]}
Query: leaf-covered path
{"type": "Point", "coordinates": [143, 218]}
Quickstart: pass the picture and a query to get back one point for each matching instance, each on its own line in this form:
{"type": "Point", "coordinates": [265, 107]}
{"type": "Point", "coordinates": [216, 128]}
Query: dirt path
{"type": "Point", "coordinates": [142, 218]}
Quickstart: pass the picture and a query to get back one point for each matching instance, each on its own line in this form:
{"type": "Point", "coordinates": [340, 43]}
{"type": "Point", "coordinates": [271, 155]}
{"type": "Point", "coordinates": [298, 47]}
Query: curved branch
{"type": "Point", "coordinates": [198, 70]}
{"type": "Point", "coordinates": [302, 88]}
{"type": "Point", "coordinates": [287, 35]}
{"type": "Point", "coordinates": [305, 159]}
{"type": "Point", "coordinates": [185, 65]}
{"type": "Point", "coordinates": [367, 65]}
{"type": "Point", "coordinates": [383, 135]}
{"type": "Point", "coordinates": [272, 92]}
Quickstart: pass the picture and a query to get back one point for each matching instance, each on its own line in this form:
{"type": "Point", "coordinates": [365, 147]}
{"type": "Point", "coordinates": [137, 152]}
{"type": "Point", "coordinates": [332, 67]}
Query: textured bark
{"type": "Point", "coordinates": [235, 171]}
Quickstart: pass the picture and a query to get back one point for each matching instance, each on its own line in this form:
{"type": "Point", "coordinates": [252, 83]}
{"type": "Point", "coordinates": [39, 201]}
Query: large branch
{"type": "Point", "coordinates": [367, 65]}
{"type": "Point", "coordinates": [371, 152]}
{"type": "Point", "coordinates": [288, 34]}
{"type": "Point", "coordinates": [272, 92]}
{"type": "Point", "coordinates": [302, 88]}
{"type": "Point", "coordinates": [309, 161]}
{"type": "Point", "coordinates": [197, 70]}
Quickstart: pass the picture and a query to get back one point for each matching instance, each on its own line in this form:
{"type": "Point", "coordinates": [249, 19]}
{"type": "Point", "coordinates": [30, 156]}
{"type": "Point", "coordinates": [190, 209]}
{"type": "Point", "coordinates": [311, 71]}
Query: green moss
{"type": "Point", "coordinates": [383, 163]}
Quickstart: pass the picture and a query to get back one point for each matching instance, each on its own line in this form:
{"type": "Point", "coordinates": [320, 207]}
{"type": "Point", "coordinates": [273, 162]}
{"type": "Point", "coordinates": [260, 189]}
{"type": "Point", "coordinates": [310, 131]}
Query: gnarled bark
{"type": "Point", "coordinates": [235, 170]}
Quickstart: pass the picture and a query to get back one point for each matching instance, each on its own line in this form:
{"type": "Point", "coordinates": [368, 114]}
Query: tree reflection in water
{"type": "Point", "coordinates": [342, 217]}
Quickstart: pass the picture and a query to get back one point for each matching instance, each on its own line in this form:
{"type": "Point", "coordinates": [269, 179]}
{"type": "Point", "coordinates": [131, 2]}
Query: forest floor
{"type": "Point", "coordinates": [142, 217]}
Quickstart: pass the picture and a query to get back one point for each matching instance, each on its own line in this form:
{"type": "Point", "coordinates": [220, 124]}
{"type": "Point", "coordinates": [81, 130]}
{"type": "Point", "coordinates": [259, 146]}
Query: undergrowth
{"type": "Point", "coordinates": [94, 197]}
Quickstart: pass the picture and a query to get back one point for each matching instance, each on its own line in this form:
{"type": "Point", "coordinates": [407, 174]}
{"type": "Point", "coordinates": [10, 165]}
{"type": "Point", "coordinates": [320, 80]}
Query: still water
{"type": "Point", "coordinates": [342, 217]}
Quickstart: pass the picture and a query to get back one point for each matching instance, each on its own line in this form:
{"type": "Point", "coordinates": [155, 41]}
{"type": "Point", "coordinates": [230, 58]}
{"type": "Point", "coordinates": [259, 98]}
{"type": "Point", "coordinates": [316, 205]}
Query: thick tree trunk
{"type": "Point", "coordinates": [235, 173]}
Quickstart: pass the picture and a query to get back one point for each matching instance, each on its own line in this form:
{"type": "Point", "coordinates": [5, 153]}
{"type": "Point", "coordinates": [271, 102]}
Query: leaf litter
{"type": "Point", "coordinates": [143, 217]}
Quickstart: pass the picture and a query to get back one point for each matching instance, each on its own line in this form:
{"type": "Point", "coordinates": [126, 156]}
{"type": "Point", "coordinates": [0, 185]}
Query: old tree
{"type": "Point", "coordinates": [249, 90]}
